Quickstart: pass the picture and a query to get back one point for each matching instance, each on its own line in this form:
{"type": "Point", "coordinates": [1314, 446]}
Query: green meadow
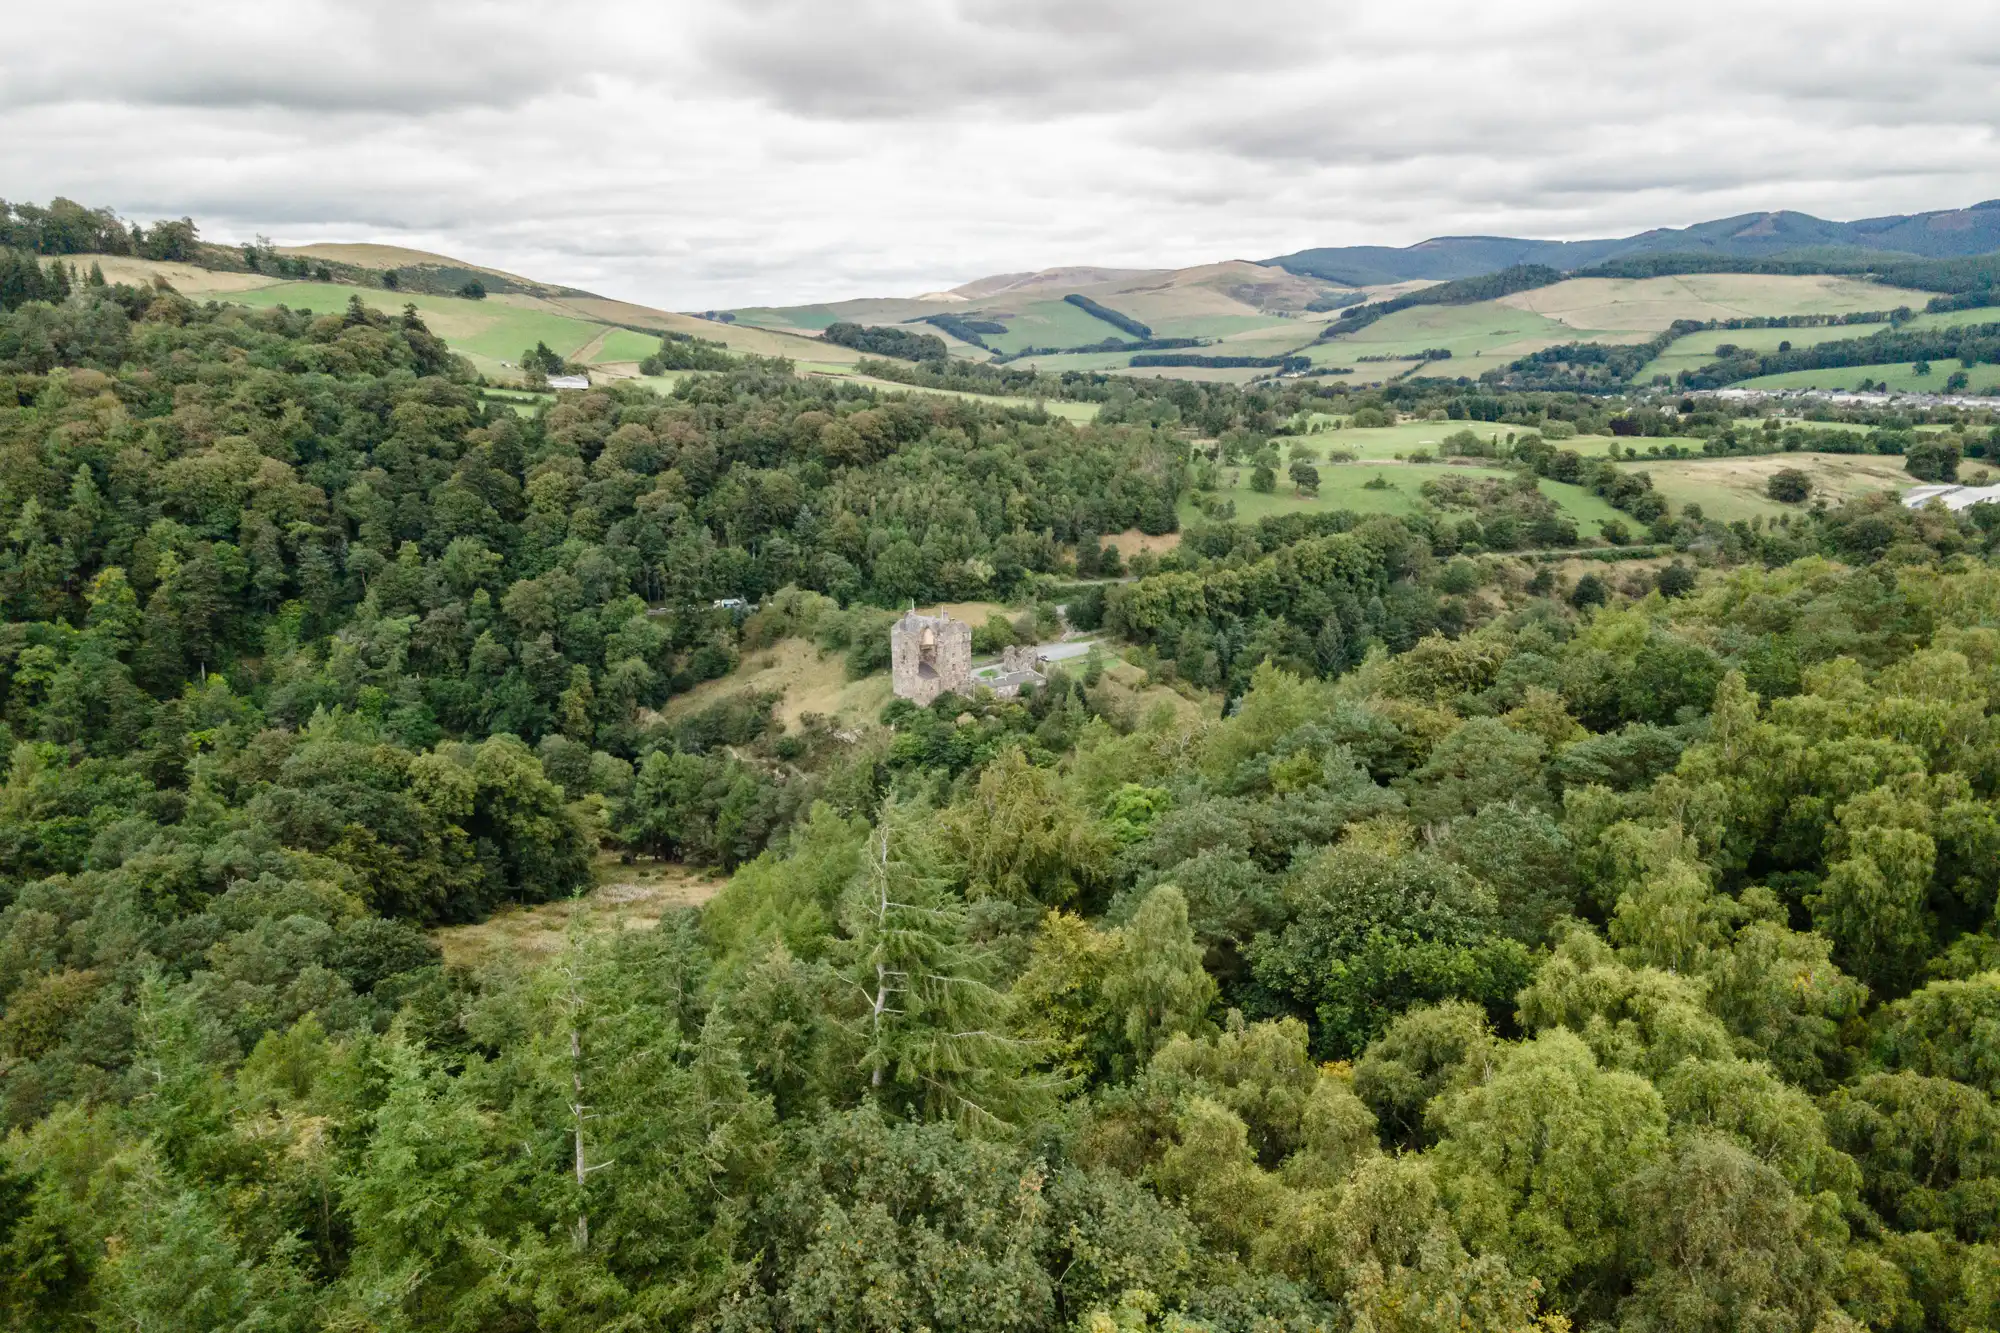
{"type": "Point", "coordinates": [625, 345]}
{"type": "Point", "coordinates": [1696, 350]}
{"type": "Point", "coordinates": [1048, 324]}
{"type": "Point", "coordinates": [1486, 326]}
{"type": "Point", "coordinates": [1346, 486]}
{"type": "Point", "coordinates": [1404, 438]}
{"type": "Point", "coordinates": [1953, 319]}
{"type": "Point", "coordinates": [1734, 488]}
{"type": "Point", "coordinates": [492, 332]}
{"type": "Point", "coordinates": [1900, 376]}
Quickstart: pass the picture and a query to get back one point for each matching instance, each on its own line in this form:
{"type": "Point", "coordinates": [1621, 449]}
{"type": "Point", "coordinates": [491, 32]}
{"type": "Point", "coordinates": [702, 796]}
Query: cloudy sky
{"type": "Point", "coordinates": [742, 151]}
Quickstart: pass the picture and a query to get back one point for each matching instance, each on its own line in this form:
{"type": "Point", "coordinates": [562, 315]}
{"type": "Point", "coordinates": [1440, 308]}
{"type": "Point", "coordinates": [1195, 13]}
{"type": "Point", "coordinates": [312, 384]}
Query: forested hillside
{"type": "Point", "coordinates": [1476, 952]}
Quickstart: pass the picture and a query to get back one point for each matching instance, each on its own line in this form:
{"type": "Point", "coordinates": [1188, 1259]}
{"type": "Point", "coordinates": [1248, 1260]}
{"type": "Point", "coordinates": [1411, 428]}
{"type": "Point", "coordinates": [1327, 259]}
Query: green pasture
{"type": "Point", "coordinates": [490, 331]}
{"type": "Point", "coordinates": [1045, 324]}
{"type": "Point", "coordinates": [1696, 350]}
{"type": "Point", "coordinates": [1113, 361]}
{"type": "Point", "coordinates": [1718, 497]}
{"type": "Point", "coordinates": [523, 402]}
{"type": "Point", "coordinates": [1271, 337]}
{"type": "Point", "coordinates": [788, 320]}
{"type": "Point", "coordinates": [1467, 330]}
{"type": "Point", "coordinates": [1081, 413]}
{"type": "Point", "coordinates": [1346, 486]}
{"type": "Point", "coordinates": [1900, 376]}
{"type": "Point", "coordinates": [626, 345]}
{"type": "Point", "coordinates": [1203, 374]}
{"type": "Point", "coordinates": [1257, 330]}
{"type": "Point", "coordinates": [1406, 437]}
{"type": "Point", "coordinates": [1955, 319]}
{"type": "Point", "coordinates": [664, 383]}
{"type": "Point", "coordinates": [1487, 335]}
{"type": "Point", "coordinates": [1734, 488]}
{"type": "Point", "coordinates": [1339, 353]}
{"type": "Point", "coordinates": [1119, 363]}
{"type": "Point", "coordinates": [1462, 367]}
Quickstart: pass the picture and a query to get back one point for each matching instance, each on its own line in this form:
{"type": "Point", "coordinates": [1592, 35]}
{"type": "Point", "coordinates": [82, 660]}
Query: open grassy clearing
{"type": "Point", "coordinates": [495, 330]}
{"type": "Point", "coordinates": [1118, 363]}
{"type": "Point", "coordinates": [1132, 541]}
{"type": "Point", "coordinates": [1129, 690]}
{"type": "Point", "coordinates": [622, 897]}
{"type": "Point", "coordinates": [1485, 326]}
{"type": "Point", "coordinates": [1050, 324]}
{"type": "Point", "coordinates": [1080, 413]}
{"type": "Point", "coordinates": [624, 345]}
{"type": "Point", "coordinates": [1201, 301]}
{"type": "Point", "coordinates": [1733, 488]}
{"type": "Point", "coordinates": [1487, 335]}
{"type": "Point", "coordinates": [804, 680]}
{"type": "Point", "coordinates": [1386, 442]}
{"type": "Point", "coordinates": [1900, 376]}
{"type": "Point", "coordinates": [1469, 367]}
{"type": "Point", "coordinates": [1652, 304]}
{"type": "Point", "coordinates": [369, 255]}
{"type": "Point", "coordinates": [1696, 350]}
{"type": "Point", "coordinates": [803, 319]}
{"type": "Point", "coordinates": [810, 321]}
{"type": "Point", "coordinates": [1202, 374]}
{"type": "Point", "coordinates": [1228, 328]}
{"type": "Point", "coordinates": [185, 278]}
{"type": "Point", "coordinates": [491, 333]}
{"type": "Point", "coordinates": [1274, 337]}
{"type": "Point", "coordinates": [1346, 486]}
{"type": "Point", "coordinates": [1957, 319]}
{"type": "Point", "coordinates": [523, 402]}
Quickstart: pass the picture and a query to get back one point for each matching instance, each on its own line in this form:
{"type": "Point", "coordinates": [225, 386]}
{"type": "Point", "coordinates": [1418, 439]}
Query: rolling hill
{"type": "Point", "coordinates": [1941, 234]}
{"type": "Point", "coordinates": [1233, 320]}
{"type": "Point", "coordinates": [609, 335]}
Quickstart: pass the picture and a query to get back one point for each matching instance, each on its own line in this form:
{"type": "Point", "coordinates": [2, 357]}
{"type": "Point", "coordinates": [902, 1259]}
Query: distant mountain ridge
{"type": "Point", "coordinates": [1942, 234]}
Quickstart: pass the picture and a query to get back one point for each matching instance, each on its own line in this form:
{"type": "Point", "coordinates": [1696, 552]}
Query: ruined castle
{"type": "Point", "coordinates": [929, 656]}
{"type": "Point", "coordinates": [932, 655]}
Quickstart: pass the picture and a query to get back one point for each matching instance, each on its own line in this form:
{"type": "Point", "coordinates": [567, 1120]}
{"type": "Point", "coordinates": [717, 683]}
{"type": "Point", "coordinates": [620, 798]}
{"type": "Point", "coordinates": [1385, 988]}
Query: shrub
{"type": "Point", "coordinates": [1789, 486]}
{"type": "Point", "coordinates": [1676, 580]}
{"type": "Point", "coordinates": [1589, 591]}
{"type": "Point", "coordinates": [1932, 458]}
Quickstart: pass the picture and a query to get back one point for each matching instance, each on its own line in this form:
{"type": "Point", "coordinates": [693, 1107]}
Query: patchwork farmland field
{"type": "Point", "coordinates": [1486, 335]}
{"type": "Point", "coordinates": [1244, 310]}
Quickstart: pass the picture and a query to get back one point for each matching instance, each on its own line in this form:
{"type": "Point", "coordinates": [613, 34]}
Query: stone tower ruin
{"type": "Point", "coordinates": [929, 656]}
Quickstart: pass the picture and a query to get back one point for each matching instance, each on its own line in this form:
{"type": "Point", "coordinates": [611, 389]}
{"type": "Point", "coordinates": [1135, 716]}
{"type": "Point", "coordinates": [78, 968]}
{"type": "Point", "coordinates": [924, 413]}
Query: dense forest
{"type": "Point", "coordinates": [1465, 950]}
{"type": "Point", "coordinates": [881, 341]}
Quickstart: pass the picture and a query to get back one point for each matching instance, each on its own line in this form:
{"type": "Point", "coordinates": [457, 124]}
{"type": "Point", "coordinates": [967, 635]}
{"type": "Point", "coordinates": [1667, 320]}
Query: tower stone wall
{"type": "Point", "coordinates": [929, 656]}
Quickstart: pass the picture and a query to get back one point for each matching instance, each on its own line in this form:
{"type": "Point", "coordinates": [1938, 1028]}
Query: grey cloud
{"type": "Point", "coordinates": [883, 60]}
{"type": "Point", "coordinates": [364, 56]}
{"type": "Point", "coordinates": [740, 151]}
